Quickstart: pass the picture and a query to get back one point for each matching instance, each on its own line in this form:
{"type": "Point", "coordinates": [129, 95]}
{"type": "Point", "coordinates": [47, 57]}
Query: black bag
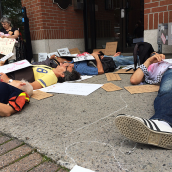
{"type": "Point", "coordinates": [143, 50]}
{"type": "Point", "coordinates": [107, 63]}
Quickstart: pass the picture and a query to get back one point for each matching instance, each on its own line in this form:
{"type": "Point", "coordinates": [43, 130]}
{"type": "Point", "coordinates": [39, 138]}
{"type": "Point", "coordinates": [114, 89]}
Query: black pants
{"type": "Point", "coordinates": [26, 73]}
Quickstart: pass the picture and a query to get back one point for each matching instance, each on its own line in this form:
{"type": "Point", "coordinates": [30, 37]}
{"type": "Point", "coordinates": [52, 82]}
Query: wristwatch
{"type": "Point", "coordinates": [10, 81]}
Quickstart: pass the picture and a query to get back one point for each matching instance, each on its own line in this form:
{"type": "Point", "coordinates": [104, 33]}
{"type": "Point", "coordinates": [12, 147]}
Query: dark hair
{"type": "Point", "coordinates": [70, 76]}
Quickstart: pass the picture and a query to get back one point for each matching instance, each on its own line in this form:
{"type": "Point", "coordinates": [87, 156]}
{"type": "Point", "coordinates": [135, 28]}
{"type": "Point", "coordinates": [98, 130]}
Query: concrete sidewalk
{"type": "Point", "coordinates": [80, 130]}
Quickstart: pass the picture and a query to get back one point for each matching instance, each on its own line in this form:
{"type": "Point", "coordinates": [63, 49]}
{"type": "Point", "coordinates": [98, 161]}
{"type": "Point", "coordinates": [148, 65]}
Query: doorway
{"type": "Point", "coordinates": [113, 20]}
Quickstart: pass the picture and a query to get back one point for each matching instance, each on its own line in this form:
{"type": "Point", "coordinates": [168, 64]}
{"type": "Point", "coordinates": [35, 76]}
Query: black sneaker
{"type": "Point", "coordinates": [145, 131]}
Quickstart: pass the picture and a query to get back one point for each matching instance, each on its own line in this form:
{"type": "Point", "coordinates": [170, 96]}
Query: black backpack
{"type": "Point", "coordinates": [107, 63]}
{"type": "Point", "coordinates": [143, 50]}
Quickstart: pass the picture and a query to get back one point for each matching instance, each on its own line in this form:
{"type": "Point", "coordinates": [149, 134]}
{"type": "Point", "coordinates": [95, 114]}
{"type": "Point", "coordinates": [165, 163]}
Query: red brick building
{"type": "Point", "coordinates": [156, 12]}
{"type": "Point", "coordinates": [98, 22]}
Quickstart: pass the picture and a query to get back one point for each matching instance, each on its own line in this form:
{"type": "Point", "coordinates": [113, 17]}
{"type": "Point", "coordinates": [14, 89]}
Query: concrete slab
{"type": "Point", "coordinates": [80, 130]}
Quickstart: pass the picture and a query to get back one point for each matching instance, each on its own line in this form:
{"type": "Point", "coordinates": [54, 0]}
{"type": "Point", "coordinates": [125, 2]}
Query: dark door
{"type": "Point", "coordinates": [113, 20]}
{"type": "Point", "coordinates": [133, 23]}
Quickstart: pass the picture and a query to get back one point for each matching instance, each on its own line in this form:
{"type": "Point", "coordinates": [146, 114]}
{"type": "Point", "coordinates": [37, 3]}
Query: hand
{"type": "Point", "coordinates": [95, 55]}
{"type": "Point", "coordinates": [117, 54]}
{"type": "Point", "coordinates": [2, 36]}
{"type": "Point", "coordinates": [2, 63]}
{"type": "Point", "coordinates": [156, 58]}
{"type": "Point", "coordinates": [4, 78]}
{"type": "Point", "coordinates": [53, 57]}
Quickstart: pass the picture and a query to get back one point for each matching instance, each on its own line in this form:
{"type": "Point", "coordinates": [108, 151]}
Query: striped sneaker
{"type": "Point", "coordinates": [145, 131]}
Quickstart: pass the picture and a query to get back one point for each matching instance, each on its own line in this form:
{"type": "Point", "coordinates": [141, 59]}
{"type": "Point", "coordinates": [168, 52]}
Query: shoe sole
{"type": "Point", "coordinates": [135, 130]}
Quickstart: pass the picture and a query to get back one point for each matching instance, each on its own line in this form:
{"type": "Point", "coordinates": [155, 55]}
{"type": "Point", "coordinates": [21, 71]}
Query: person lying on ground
{"type": "Point", "coordinates": [41, 76]}
{"type": "Point", "coordinates": [121, 60]}
{"type": "Point", "coordinates": [13, 96]}
{"type": "Point", "coordinates": [143, 73]}
{"type": "Point", "coordinates": [157, 130]}
{"type": "Point", "coordinates": [83, 67]}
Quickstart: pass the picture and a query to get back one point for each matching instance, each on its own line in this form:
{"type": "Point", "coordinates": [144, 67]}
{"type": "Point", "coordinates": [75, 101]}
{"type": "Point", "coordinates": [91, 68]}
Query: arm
{"type": "Point", "coordinates": [138, 75]}
{"type": "Point", "coordinates": [2, 63]}
{"type": "Point", "coordinates": [6, 110]}
{"type": "Point", "coordinates": [99, 63]}
{"type": "Point", "coordinates": [36, 85]}
{"type": "Point", "coordinates": [15, 36]}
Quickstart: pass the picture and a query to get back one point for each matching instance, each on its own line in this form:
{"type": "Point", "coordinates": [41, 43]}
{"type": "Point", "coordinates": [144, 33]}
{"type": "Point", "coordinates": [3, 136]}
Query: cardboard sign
{"type": "Point", "coordinates": [112, 77]}
{"type": "Point", "coordinates": [74, 51]}
{"type": "Point", "coordinates": [39, 95]}
{"type": "Point", "coordinates": [63, 51]}
{"type": "Point", "coordinates": [6, 45]}
{"type": "Point", "coordinates": [6, 57]}
{"type": "Point", "coordinates": [142, 89]}
{"type": "Point", "coordinates": [97, 50]}
{"type": "Point", "coordinates": [111, 48]}
{"type": "Point", "coordinates": [111, 87]}
{"type": "Point", "coordinates": [14, 66]}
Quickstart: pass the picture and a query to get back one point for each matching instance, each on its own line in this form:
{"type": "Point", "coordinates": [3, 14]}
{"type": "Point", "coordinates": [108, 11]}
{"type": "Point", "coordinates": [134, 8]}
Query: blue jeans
{"type": "Point", "coordinates": [163, 101]}
{"type": "Point", "coordinates": [122, 60]}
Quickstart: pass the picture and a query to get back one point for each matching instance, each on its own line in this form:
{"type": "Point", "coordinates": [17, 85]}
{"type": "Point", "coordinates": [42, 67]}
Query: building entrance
{"type": "Point", "coordinates": [113, 20]}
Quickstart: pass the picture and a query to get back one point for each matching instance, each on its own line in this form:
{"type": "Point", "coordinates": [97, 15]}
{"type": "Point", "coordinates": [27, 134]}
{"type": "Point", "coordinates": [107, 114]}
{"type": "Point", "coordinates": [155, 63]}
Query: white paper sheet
{"type": "Point", "coordinates": [72, 88]}
{"type": "Point", "coordinates": [168, 60]}
{"type": "Point", "coordinates": [53, 53]}
{"type": "Point", "coordinates": [130, 66]}
{"type": "Point", "coordinates": [14, 66]}
{"type": "Point", "coordinates": [6, 57]}
{"type": "Point", "coordinates": [84, 77]}
{"type": "Point", "coordinates": [77, 168]}
{"type": "Point", "coordinates": [84, 56]}
{"type": "Point", "coordinates": [63, 51]}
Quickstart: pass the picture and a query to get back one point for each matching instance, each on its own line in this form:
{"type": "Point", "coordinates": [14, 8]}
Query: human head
{"type": "Point", "coordinates": [23, 85]}
{"type": "Point", "coordinates": [5, 22]}
{"type": "Point", "coordinates": [66, 72]}
{"type": "Point", "coordinates": [70, 76]}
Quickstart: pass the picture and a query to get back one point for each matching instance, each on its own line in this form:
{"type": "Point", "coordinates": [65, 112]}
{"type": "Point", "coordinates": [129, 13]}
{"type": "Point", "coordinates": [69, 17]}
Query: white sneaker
{"type": "Point", "coordinates": [145, 131]}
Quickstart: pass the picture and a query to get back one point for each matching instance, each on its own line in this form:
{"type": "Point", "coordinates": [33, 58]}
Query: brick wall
{"type": "Point", "coordinates": [155, 12]}
{"type": "Point", "coordinates": [48, 21]}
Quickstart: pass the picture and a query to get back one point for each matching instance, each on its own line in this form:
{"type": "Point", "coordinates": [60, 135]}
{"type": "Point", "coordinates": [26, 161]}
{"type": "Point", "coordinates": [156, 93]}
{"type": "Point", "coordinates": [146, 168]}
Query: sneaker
{"type": "Point", "coordinates": [145, 131]}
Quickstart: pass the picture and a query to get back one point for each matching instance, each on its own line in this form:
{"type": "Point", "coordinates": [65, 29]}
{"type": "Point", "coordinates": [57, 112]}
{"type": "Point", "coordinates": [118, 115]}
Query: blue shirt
{"type": "Point", "coordinates": [84, 69]}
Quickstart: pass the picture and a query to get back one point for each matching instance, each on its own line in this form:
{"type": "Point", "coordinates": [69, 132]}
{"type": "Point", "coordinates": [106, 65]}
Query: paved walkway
{"type": "Point", "coordinates": [16, 156]}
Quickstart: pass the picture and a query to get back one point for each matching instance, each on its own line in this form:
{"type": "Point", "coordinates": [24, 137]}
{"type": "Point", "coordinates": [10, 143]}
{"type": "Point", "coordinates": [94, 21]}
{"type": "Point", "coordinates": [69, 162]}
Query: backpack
{"type": "Point", "coordinates": [107, 63]}
{"type": "Point", "coordinates": [143, 50]}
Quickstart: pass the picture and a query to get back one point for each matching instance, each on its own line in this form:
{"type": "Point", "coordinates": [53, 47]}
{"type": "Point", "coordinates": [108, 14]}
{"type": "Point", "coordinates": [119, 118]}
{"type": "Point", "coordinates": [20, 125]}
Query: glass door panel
{"type": "Point", "coordinates": [133, 24]}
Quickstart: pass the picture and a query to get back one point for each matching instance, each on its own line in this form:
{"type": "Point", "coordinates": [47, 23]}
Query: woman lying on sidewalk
{"type": "Point", "coordinates": [158, 129]}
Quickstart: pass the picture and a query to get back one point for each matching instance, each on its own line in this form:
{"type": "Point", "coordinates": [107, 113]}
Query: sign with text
{"type": "Point", "coordinates": [14, 66]}
{"type": "Point", "coordinates": [111, 48]}
{"type": "Point", "coordinates": [63, 51]}
{"type": "Point", "coordinates": [6, 45]}
{"type": "Point", "coordinates": [82, 57]}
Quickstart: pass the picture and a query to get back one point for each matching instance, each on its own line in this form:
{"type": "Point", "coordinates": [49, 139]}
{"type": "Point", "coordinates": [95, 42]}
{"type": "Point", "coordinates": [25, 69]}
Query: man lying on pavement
{"type": "Point", "coordinates": [83, 67]}
{"type": "Point", "coordinates": [158, 129]}
{"type": "Point", "coordinates": [13, 95]}
{"type": "Point", "coordinates": [40, 76]}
